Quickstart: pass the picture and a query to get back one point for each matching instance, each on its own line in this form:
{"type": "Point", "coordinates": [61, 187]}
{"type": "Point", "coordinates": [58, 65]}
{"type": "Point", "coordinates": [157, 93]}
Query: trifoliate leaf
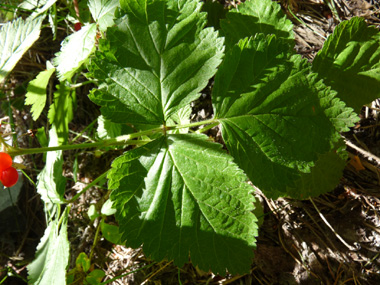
{"type": "Point", "coordinates": [164, 60]}
{"type": "Point", "coordinates": [182, 196]}
{"type": "Point", "coordinates": [350, 62]}
{"type": "Point", "coordinates": [15, 39]}
{"type": "Point", "coordinates": [52, 256]}
{"type": "Point", "coordinates": [103, 11]}
{"type": "Point", "coordinates": [75, 50]}
{"type": "Point", "coordinates": [36, 95]}
{"type": "Point", "coordinates": [274, 115]}
{"type": "Point", "coordinates": [252, 17]}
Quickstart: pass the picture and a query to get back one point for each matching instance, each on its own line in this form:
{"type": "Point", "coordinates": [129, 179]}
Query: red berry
{"type": "Point", "coordinates": [9, 177]}
{"type": "Point", "coordinates": [77, 26]}
{"type": "Point", "coordinates": [5, 161]}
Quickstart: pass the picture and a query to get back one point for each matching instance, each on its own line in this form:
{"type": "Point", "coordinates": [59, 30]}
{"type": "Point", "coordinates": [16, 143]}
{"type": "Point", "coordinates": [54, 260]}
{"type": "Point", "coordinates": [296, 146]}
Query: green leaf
{"type": "Point", "coordinates": [107, 208]}
{"type": "Point", "coordinates": [137, 8]}
{"type": "Point", "coordinates": [323, 178]}
{"type": "Point", "coordinates": [95, 277]}
{"type": "Point", "coordinates": [9, 197]}
{"type": "Point", "coordinates": [61, 112]}
{"type": "Point", "coordinates": [92, 212]}
{"type": "Point", "coordinates": [259, 16]}
{"type": "Point", "coordinates": [181, 117]}
{"type": "Point", "coordinates": [52, 256]}
{"type": "Point", "coordinates": [160, 66]}
{"type": "Point", "coordinates": [75, 50]}
{"type": "Point", "coordinates": [41, 137]}
{"type": "Point", "coordinates": [36, 95]}
{"type": "Point", "coordinates": [32, 4]}
{"type": "Point", "coordinates": [350, 62]}
{"type": "Point", "coordinates": [51, 183]}
{"type": "Point", "coordinates": [15, 39]}
{"type": "Point", "coordinates": [182, 195]}
{"type": "Point", "coordinates": [110, 233]}
{"type": "Point", "coordinates": [215, 12]}
{"type": "Point", "coordinates": [40, 7]}
{"type": "Point", "coordinates": [275, 116]}
{"type": "Point", "coordinates": [83, 263]}
{"type": "Point", "coordinates": [103, 11]}
{"type": "Point", "coordinates": [108, 130]}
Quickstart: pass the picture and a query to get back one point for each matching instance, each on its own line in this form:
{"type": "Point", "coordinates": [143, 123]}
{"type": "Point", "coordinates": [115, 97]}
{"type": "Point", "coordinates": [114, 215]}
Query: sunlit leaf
{"type": "Point", "coordinates": [15, 39]}
{"type": "Point", "coordinates": [276, 117]}
{"type": "Point", "coordinates": [350, 62]}
{"type": "Point", "coordinates": [52, 256]}
{"type": "Point", "coordinates": [164, 60]}
{"type": "Point", "coordinates": [36, 95]}
{"type": "Point", "coordinates": [75, 50]}
{"type": "Point", "coordinates": [183, 196]}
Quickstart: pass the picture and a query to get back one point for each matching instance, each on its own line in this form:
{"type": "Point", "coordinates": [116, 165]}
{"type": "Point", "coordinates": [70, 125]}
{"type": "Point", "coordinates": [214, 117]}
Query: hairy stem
{"type": "Point", "coordinates": [118, 141]}
{"type": "Point", "coordinates": [206, 122]}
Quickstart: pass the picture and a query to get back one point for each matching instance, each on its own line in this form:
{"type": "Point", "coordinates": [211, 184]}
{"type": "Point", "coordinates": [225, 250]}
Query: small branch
{"type": "Point", "coordinates": [363, 152]}
{"type": "Point", "coordinates": [118, 141]}
{"type": "Point", "coordinates": [24, 151]}
{"type": "Point", "coordinates": [76, 8]}
{"type": "Point", "coordinates": [77, 85]}
{"type": "Point", "coordinates": [191, 125]}
{"type": "Point", "coordinates": [332, 229]}
{"type": "Point", "coordinates": [205, 129]}
{"type": "Point", "coordinates": [96, 238]}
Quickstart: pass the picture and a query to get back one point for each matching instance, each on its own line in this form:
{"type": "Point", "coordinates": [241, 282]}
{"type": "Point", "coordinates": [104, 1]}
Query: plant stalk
{"type": "Point", "coordinates": [93, 183]}
{"type": "Point", "coordinates": [118, 141]}
{"type": "Point", "coordinates": [206, 122]}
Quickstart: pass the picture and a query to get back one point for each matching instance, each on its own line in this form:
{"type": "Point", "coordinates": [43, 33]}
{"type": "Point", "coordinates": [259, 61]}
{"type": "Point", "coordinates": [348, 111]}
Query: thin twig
{"type": "Point", "coordinates": [363, 152]}
{"type": "Point", "coordinates": [155, 273]}
{"type": "Point", "coordinates": [332, 229]}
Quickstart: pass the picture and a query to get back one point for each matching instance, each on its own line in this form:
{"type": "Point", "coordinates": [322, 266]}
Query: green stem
{"type": "Point", "coordinates": [73, 86]}
{"type": "Point", "coordinates": [303, 23]}
{"type": "Point", "coordinates": [24, 151]}
{"type": "Point", "coordinates": [95, 240]}
{"type": "Point", "coordinates": [118, 141]}
{"type": "Point", "coordinates": [211, 121]}
{"type": "Point", "coordinates": [85, 129]}
{"type": "Point", "coordinates": [121, 140]}
{"type": "Point", "coordinates": [99, 178]}
{"type": "Point", "coordinates": [11, 121]}
{"type": "Point", "coordinates": [208, 127]}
